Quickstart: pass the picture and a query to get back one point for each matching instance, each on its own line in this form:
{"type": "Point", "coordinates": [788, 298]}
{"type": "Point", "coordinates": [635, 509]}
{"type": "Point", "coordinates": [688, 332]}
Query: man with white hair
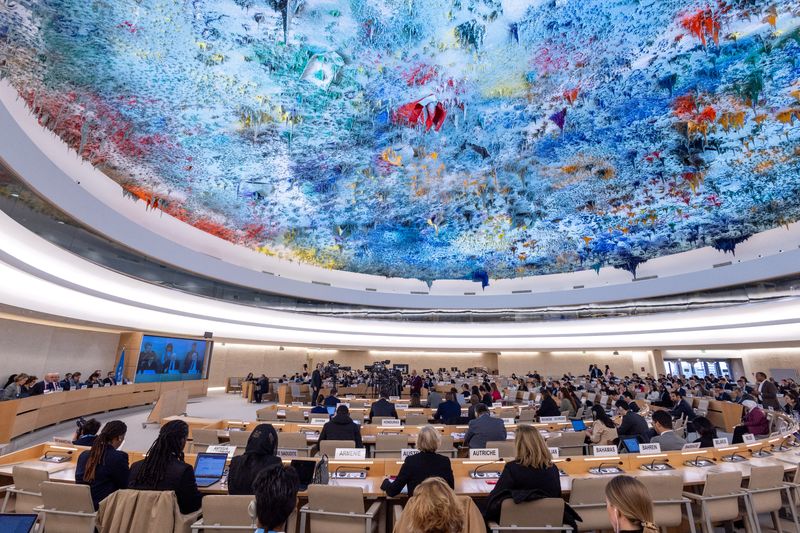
{"type": "Point", "coordinates": [48, 384]}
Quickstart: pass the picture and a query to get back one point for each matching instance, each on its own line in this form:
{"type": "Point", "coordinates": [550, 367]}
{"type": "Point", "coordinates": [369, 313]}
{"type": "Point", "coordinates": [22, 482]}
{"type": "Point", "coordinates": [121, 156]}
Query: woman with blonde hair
{"type": "Point", "coordinates": [421, 466]}
{"type": "Point", "coordinates": [433, 509]}
{"type": "Point", "coordinates": [629, 506]}
{"type": "Point", "coordinates": [532, 469]}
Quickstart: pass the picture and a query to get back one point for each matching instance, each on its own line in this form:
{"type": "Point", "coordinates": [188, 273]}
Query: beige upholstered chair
{"type": "Point", "coordinates": [135, 511]}
{"type": "Point", "coordinates": [230, 512]}
{"type": "Point", "coordinates": [765, 489]}
{"type": "Point", "coordinates": [202, 439]}
{"type": "Point", "coordinates": [328, 447]}
{"type": "Point", "coordinates": [338, 510]}
{"type": "Point", "coordinates": [390, 446]}
{"type": "Point", "coordinates": [267, 414]}
{"type": "Point", "coordinates": [546, 514]}
{"type": "Point", "coordinates": [295, 414]}
{"type": "Point", "coordinates": [294, 441]}
{"type": "Point", "coordinates": [668, 501]}
{"type": "Point", "coordinates": [570, 443]}
{"type": "Point", "coordinates": [447, 446]}
{"type": "Point", "coordinates": [26, 489]}
{"type": "Point", "coordinates": [720, 500]}
{"type": "Point", "coordinates": [239, 439]}
{"type": "Point", "coordinates": [66, 508]}
{"type": "Point", "coordinates": [416, 419]}
{"type": "Point", "coordinates": [506, 448]}
{"type": "Point", "coordinates": [588, 498]}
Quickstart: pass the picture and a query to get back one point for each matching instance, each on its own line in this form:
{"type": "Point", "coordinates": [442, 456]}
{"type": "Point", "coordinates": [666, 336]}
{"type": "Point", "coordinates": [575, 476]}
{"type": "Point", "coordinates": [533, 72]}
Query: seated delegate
{"type": "Point", "coordinates": [86, 432]}
{"type": "Point", "coordinates": [531, 470]}
{"type": "Point", "coordinates": [603, 431]}
{"type": "Point", "coordinates": [666, 438]}
{"type": "Point", "coordinates": [419, 467]}
{"type": "Point", "coordinates": [342, 427]}
{"type": "Point", "coordinates": [258, 455]}
{"type": "Point", "coordinates": [104, 468]}
{"type": "Point", "coordinates": [484, 428]}
{"type": "Point", "coordinates": [164, 468]}
{"type": "Point", "coordinates": [275, 491]}
{"type": "Point", "coordinates": [383, 407]}
{"type": "Point", "coordinates": [448, 411]}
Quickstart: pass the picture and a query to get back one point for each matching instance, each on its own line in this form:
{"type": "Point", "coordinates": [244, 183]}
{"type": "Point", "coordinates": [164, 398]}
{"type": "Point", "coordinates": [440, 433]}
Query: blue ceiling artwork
{"type": "Point", "coordinates": [430, 139]}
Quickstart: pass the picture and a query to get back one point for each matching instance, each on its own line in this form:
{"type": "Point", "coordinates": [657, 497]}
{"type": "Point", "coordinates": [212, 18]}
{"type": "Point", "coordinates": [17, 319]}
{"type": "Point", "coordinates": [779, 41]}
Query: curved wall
{"type": "Point", "coordinates": [59, 175]}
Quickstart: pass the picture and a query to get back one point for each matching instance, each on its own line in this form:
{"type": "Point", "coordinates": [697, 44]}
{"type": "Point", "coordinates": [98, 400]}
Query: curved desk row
{"type": "Point", "coordinates": [18, 417]}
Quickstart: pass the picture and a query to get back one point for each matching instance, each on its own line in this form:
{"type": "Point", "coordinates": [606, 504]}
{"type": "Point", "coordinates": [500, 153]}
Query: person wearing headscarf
{"type": "Point", "coordinates": [259, 455]}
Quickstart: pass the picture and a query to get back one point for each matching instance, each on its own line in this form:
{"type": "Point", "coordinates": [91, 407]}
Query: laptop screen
{"type": "Point", "coordinates": [305, 471]}
{"type": "Point", "coordinates": [210, 465]}
{"type": "Point", "coordinates": [17, 523]}
{"type": "Point", "coordinates": [632, 445]}
{"type": "Point", "coordinates": [331, 410]}
{"type": "Point", "coordinates": [578, 425]}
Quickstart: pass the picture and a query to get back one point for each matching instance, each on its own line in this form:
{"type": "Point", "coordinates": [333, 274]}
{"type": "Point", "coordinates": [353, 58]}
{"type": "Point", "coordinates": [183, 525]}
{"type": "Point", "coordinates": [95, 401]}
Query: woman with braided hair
{"type": "Point", "coordinates": [164, 468]}
{"type": "Point", "coordinates": [104, 468]}
{"type": "Point", "coordinates": [629, 506]}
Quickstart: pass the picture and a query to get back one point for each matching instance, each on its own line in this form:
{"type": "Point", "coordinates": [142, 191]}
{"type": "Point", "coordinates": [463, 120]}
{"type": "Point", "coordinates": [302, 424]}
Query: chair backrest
{"type": "Point", "coordinates": [70, 498]}
{"type": "Point", "coordinates": [29, 479]}
{"type": "Point", "coordinates": [133, 511]}
{"type": "Point", "coordinates": [335, 499]}
{"type": "Point", "coordinates": [765, 477]}
{"type": "Point", "coordinates": [666, 493]}
{"type": "Point", "coordinates": [527, 415]}
{"type": "Point", "coordinates": [239, 438]}
{"type": "Point", "coordinates": [567, 443]}
{"type": "Point", "coordinates": [328, 447]}
{"type": "Point", "coordinates": [588, 490]}
{"type": "Point", "coordinates": [204, 437]}
{"type": "Point", "coordinates": [267, 414]}
{"type": "Point", "coordinates": [358, 416]}
{"type": "Point", "coordinates": [219, 510]}
{"type": "Point", "coordinates": [295, 414]}
{"type": "Point", "coordinates": [506, 448]}
{"type": "Point", "coordinates": [447, 444]}
{"type": "Point", "coordinates": [391, 442]}
{"type": "Point", "coordinates": [416, 419]}
{"type": "Point", "coordinates": [358, 403]}
{"type": "Point", "coordinates": [291, 440]}
{"type": "Point", "coordinates": [722, 483]}
{"type": "Point", "coordinates": [538, 513]}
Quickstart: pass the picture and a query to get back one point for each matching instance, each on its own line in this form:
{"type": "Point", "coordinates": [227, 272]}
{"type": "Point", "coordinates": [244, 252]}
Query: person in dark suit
{"type": "Point", "coordinates": [104, 468]}
{"type": "Point", "coordinates": [548, 407]}
{"type": "Point", "coordinates": [87, 432]}
{"type": "Point", "coordinates": [667, 438]}
{"type": "Point", "coordinates": [419, 467]}
{"type": "Point", "coordinates": [261, 388]}
{"type": "Point", "coordinates": [332, 400]}
{"type": "Point", "coordinates": [342, 427]}
{"type": "Point", "coordinates": [706, 432]}
{"type": "Point", "coordinates": [721, 395]}
{"type": "Point", "coordinates": [531, 470]}
{"type": "Point", "coordinates": [415, 383]}
{"type": "Point", "coordinates": [110, 379]}
{"type": "Point", "coordinates": [448, 411]}
{"type": "Point", "coordinates": [259, 455]}
{"type": "Point", "coordinates": [383, 407]}
{"type": "Point", "coordinates": [192, 361]}
{"type": "Point", "coordinates": [163, 468]}
{"type": "Point", "coordinates": [484, 428]}
{"type": "Point", "coordinates": [632, 425]}
{"type": "Point", "coordinates": [316, 381]}
{"type": "Point", "coordinates": [148, 360]}
{"type": "Point", "coordinates": [767, 392]}
{"type": "Point", "coordinates": [682, 408]}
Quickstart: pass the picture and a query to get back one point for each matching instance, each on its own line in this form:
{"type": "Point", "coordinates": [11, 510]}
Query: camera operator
{"type": "Point", "coordinates": [86, 432]}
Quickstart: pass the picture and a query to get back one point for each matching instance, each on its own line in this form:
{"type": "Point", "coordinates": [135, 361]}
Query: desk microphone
{"type": "Point", "coordinates": [599, 468]}
{"type": "Point", "coordinates": [782, 447]}
{"type": "Point", "coordinates": [474, 473]}
{"type": "Point", "coordinates": [361, 471]}
{"type": "Point", "coordinates": [697, 459]}
{"type": "Point", "coordinates": [654, 462]}
{"type": "Point", "coordinates": [761, 452]}
{"type": "Point", "coordinates": [734, 458]}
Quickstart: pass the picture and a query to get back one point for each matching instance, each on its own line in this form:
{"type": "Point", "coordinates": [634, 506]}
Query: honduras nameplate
{"type": "Point", "coordinates": [391, 423]}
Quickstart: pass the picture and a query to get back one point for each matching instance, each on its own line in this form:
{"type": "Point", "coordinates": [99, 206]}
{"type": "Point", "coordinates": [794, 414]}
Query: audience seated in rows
{"type": "Point", "coordinates": [258, 455]}
{"type": "Point", "coordinates": [421, 466]}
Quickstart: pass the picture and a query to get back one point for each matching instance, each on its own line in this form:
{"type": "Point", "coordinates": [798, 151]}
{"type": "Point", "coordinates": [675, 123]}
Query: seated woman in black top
{"type": "Point", "coordinates": [548, 406]}
{"type": "Point", "coordinates": [533, 469]}
{"type": "Point", "coordinates": [705, 431]}
{"type": "Point", "coordinates": [164, 469]}
{"type": "Point", "coordinates": [259, 455]}
{"type": "Point", "coordinates": [104, 468]}
{"type": "Point", "coordinates": [417, 468]}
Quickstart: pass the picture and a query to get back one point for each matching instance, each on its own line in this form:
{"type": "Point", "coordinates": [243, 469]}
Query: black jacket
{"type": "Point", "coordinates": [548, 408]}
{"type": "Point", "coordinates": [244, 469]}
{"type": "Point", "coordinates": [382, 407]}
{"type": "Point", "coordinates": [341, 427]}
{"type": "Point", "coordinates": [110, 475]}
{"type": "Point", "coordinates": [516, 477]}
{"type": "Point", "coordinates": [316, 380]}
{"type": "Point", "coordinates": [683, 409]}
{"type": "Point", "coordinates": [179, 476]}
{"type": "Point", "coordinates": [416, 469]}
{"type": "Point", "coordinates": [634, 425]}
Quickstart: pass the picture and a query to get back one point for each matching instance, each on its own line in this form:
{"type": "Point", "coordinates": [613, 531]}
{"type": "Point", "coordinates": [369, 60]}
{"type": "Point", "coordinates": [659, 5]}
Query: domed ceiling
{"type": "Point", "coordinates": [433, 139]}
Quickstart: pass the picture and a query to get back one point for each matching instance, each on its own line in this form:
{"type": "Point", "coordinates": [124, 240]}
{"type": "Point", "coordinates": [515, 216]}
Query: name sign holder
{"type": "Point", "coordinates": [604, 451]}
{"type": "Point", "coordinates": [350, 453]}
{"type": "Point", "coordinates": [219, 448]}
{"type": "Point", "coordinates": [407, 452]}
{"type": "Point", "coordinates": [391, 423]}
{"type": "Point", "coordinates": [489, 454]}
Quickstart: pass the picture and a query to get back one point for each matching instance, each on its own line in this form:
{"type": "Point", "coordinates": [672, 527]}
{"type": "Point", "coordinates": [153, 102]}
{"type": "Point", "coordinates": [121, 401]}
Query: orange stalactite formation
{"type": "Point", "coordinates": [703, 24]}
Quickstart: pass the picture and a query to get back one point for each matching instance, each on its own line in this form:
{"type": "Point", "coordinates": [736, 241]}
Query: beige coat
{"type": "Point", "coordinates": [601, 434]}
{"type": "Point", "coordinates": [135, 511]}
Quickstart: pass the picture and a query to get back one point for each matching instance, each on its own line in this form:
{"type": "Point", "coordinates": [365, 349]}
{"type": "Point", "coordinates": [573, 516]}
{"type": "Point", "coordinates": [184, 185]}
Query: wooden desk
{"type": "Point", "coordinates": [18, 417]}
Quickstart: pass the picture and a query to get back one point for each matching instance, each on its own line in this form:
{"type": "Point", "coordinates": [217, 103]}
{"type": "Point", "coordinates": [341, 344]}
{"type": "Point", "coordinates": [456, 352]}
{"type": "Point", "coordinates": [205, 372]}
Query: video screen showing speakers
{"type": "Point", "coordinates": [171, 359]}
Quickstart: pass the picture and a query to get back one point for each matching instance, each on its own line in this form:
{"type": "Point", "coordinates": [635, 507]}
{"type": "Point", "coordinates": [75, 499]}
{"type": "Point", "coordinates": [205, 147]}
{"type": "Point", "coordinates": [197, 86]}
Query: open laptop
{"type": "Point", "coordinates": [331, 410]}
{"type": "Point", "coordinates": [578, 425]}
{"type": "Point", "coordinates": [305, 471]}
{"type": "Point", "coordinates": [17, 523]}
{"type": "Point", "coordinates": [209, 468]}
{"type": "Point", "coordinates": [631, 444]}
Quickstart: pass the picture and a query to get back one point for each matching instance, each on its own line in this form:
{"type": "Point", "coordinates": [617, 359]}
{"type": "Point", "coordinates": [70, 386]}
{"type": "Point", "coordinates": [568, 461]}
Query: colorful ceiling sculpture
{"type": "Point", "coordinates": [460, 139]}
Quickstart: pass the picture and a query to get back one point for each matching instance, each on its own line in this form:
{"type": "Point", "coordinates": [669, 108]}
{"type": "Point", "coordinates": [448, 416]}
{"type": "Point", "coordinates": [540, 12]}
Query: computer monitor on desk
{"type": "Point", "coordinates": [17, 523]}
{"type": "Point", "coordinates": [209, 468]}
